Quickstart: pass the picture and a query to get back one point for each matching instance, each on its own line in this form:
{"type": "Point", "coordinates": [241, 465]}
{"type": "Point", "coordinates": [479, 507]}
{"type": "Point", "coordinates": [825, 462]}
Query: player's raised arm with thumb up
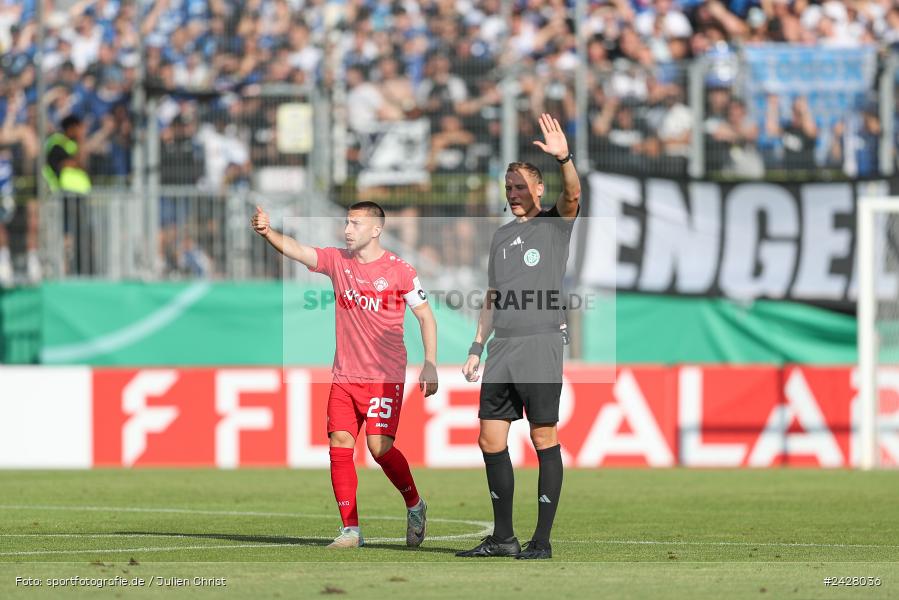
{"type": "Point", "coordinates": [261, 222]}
{"type": "Point", "coordinates": [284, 244]}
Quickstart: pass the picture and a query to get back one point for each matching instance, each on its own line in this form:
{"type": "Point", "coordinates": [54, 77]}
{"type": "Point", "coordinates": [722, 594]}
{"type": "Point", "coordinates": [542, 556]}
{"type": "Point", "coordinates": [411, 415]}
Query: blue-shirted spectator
{"type": "Point", "coordinates": [855, 144]}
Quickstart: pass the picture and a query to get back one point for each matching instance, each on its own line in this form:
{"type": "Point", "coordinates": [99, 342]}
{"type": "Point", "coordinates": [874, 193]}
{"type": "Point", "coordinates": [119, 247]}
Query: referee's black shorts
{"type": "Point", "coordinates": [523, 376]}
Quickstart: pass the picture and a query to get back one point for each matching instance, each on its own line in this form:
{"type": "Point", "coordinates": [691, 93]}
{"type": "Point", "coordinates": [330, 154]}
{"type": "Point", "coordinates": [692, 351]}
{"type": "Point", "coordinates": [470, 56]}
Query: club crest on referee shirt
{"type": "Point", "coordinates": [532, 257]}
{"type": "Point", "coordinates": [381, 284]}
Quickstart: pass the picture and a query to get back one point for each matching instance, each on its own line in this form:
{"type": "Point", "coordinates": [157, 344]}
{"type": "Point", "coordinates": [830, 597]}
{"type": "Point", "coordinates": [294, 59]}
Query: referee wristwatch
{"type": "Point", "coordinates": [562, 161]}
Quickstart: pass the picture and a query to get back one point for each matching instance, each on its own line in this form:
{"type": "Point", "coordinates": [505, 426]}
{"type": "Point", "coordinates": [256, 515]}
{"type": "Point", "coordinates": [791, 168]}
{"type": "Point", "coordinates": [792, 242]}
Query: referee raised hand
{"type": "Point", "coordinates": [523, 371]}
{"type": "Point", "coordinates": [554, 142]}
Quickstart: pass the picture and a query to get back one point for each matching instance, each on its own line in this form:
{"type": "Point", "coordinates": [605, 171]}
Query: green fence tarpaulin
{"type": "Point", "coordinates": [671, 329]}
{"type": "Point", "coordinates": [204, 323]}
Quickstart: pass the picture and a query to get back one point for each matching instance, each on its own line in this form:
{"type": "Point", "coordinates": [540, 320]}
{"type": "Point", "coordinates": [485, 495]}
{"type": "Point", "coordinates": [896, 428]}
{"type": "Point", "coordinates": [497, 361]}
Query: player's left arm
{"type": "Point", "coordinates": [427, 381]}
{"type": "Point", "coordinates": [417, 300]}
{"type": "Point", "coordinates": [556, 145]}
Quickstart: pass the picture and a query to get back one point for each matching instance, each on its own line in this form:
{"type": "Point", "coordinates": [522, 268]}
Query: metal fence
{"type": "Point", "coordinates": [203, 161]}
{"type": "Point", "coordinates": [180, 233]}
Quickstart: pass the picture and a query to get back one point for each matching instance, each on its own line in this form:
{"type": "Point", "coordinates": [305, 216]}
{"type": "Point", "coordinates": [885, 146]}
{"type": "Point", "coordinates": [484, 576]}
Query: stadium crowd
{"type": "Point", "coordinates": [206, 61]}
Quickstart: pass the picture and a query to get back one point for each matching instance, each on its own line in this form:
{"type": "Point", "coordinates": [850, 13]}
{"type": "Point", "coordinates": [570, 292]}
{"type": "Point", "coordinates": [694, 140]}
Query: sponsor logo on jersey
{"type": "Point", "coordinates": [532, 257]}
{"type": "Point", "coordinates": [381, 284]}
{"type": "Point", "coordinates": [362, 301]}
{"type": "Point", "coordinates": [382, 425]}
{"type": "Point", "coordinates": [516, 242]}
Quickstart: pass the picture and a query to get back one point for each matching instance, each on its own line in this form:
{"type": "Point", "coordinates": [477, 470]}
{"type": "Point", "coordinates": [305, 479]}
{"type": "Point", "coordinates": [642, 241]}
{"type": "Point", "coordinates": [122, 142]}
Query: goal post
{"type": "Point", "coordinates": [877, 320]}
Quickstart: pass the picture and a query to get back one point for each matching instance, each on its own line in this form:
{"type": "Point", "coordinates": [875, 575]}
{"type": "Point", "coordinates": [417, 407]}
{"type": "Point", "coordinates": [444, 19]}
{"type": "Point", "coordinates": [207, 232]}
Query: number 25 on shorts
{"type": "Point", "coordinates": [380, 403]}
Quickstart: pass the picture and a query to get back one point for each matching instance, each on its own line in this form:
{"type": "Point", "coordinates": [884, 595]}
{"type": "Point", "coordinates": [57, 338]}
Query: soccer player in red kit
{"type": "Point", "coordinates": [372, 287]}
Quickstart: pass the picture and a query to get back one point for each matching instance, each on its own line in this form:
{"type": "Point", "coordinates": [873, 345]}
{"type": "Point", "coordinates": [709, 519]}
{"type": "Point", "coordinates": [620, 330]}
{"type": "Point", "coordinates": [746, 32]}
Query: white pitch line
{"type": "Point", "coordinates": [721, 543]}
{"type": "Point", "coordinates": [228, 513]}
{"type": "Point", "coordinates": [139, 535]}
{"type": "Point", "coordinates": [486, 527]}
{"type": "Point", "coordinates": [91, 535]}
{"type": "Point", "coordinates": [459, 536]}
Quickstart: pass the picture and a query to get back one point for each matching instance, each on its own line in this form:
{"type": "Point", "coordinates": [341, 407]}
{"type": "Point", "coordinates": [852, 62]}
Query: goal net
{"type": "Point", "coordinates": [877, 256]}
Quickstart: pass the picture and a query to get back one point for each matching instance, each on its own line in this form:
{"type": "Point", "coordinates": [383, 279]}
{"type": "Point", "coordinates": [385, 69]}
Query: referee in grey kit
{"type": "Point", "coordinates": [523, 375]}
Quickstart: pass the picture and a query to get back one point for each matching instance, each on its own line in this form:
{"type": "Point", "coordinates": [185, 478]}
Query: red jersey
{"type": "Point", "coordinates": [371, 302]}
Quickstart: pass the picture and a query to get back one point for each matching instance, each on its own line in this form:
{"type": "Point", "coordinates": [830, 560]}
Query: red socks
{"type": "Point", "coordinates": [344, 482]}
{"type": "Point", "coordinates": [397, 470]}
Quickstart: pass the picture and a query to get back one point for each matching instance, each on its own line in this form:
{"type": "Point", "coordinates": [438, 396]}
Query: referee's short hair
{"type": "Point", "coordinates": [526, 166]}
{"type": "Point", "coordinates": [372, 208]}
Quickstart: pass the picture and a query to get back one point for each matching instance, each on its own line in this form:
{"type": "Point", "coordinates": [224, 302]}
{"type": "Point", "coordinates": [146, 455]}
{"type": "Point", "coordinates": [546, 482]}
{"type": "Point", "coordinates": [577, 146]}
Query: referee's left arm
{"type": "Point", "coordinates": [571, 191]}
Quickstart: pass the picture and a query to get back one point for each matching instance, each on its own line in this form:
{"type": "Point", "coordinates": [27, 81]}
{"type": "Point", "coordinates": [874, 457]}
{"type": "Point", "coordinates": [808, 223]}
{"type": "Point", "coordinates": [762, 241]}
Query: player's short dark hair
{"type": "Point", "coordinates": [526, 166]}
{"type": "Point", "coordinates": [372, 208]}
{"type": "Point", "coordinates": [69, 122]}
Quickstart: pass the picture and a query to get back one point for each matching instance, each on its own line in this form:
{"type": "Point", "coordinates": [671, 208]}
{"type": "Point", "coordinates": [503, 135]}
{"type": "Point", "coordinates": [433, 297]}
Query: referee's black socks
{"type": "Point", "coordinates": [501, 480]}
{"type": "Point", "coordinates": [549, 488]}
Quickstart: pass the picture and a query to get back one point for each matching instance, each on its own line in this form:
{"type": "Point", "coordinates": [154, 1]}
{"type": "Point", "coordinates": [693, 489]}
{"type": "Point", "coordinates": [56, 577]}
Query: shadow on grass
{"type": "Point", "coordinates": [279, 539]}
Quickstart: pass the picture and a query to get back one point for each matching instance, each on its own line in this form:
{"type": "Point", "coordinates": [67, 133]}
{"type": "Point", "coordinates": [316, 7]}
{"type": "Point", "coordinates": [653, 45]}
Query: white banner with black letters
{"type": "Point", "coordinates": [738, 240]}
{"type": "Point", "coordinates": [395, 153]}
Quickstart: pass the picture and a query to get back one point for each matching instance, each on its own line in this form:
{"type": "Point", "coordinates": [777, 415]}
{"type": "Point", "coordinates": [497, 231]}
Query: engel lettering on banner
{"type": "Point", "coordinates": [394, 153]}
{"type": "Point", "coordinates": [742, 241]}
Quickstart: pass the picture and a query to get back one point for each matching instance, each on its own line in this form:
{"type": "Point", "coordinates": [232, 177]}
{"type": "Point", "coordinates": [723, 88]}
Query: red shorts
{"type": "Point", "coordinates": [377, 403]}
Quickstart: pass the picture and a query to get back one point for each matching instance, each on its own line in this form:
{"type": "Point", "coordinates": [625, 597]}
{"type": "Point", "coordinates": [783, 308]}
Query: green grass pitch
{"type": "Point", "coordinates": [619, 533]}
